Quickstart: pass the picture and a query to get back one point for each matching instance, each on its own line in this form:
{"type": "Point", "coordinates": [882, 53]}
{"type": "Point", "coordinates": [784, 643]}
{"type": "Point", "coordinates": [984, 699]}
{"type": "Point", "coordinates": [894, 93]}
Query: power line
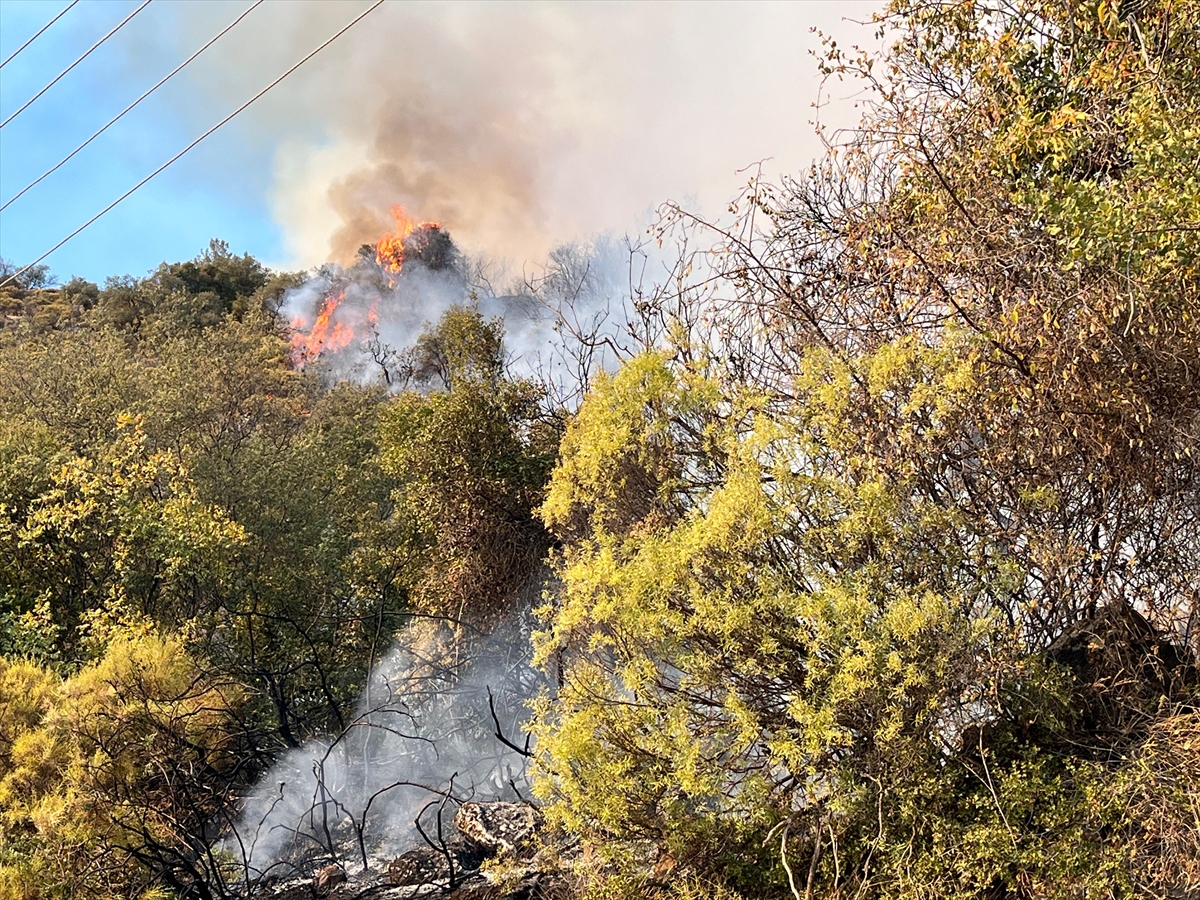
{"type": "Point", "coordinates": [38, 34]}
{"type": "Point", "coordinates": [56, 78]}
{"type": "Point", "coordinates": [110, 206]}
{"type": "Point", "coordinates": [114, 119]}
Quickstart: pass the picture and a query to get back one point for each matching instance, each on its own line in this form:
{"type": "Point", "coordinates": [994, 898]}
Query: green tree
{"type": "Point", "coordinates": [471, 463]}
{"type": "Point", "coordinates": [314, 585]}
{"type": "Point", "coordinates": [115, 536]}
{"type": "Point", "coordinates": [231, 280]}
{"type": "Point", "coordinates": [164, 467]}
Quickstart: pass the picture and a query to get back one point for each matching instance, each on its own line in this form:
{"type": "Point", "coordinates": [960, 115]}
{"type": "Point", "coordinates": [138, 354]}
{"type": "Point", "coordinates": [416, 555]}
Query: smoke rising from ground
{"type": "Point", "coordinates": [423, 733]}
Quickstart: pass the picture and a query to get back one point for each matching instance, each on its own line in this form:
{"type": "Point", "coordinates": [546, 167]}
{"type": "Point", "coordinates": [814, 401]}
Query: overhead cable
{"type": "Point", "coordinates": [38, 33]}
{"type": "Point", "coordinates": [114, 119]}
{"type": "Point", "coordinates": [374, 6]}
{"type": "Point", "coordinates": [86, 54]}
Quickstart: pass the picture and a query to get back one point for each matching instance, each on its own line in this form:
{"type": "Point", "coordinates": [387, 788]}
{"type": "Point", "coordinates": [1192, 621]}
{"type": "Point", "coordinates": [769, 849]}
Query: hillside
{"type": "Point", "coordinates": [856, 557]}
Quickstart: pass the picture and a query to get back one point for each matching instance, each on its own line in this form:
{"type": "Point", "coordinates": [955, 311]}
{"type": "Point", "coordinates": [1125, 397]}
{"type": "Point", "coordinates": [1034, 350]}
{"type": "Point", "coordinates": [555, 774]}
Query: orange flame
{"type": "Point", "coordinates": [330, 333]}
{"type": "Point", "coordinates": [391, 252]}
{"type": "Point", "coordinates": [323, 335]}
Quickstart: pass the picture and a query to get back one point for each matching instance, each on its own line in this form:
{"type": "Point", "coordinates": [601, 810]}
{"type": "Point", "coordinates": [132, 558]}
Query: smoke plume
{"type": "Point", "coordinates": [525, 131]}
{"type": "Point", "coordinates": [520, 126]}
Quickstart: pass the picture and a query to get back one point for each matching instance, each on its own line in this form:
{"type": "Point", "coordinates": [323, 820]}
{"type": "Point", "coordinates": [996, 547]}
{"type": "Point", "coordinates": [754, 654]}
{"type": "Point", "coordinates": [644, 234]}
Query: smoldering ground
{"type": "Point", "coordinates": [423, 739]}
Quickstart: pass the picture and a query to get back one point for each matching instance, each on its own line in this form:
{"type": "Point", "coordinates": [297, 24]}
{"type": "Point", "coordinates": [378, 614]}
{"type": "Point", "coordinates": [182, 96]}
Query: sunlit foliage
{"type": "Point", "coordinates": [110, 768]}
{"type": "Point", "coordinates": [887, 556]}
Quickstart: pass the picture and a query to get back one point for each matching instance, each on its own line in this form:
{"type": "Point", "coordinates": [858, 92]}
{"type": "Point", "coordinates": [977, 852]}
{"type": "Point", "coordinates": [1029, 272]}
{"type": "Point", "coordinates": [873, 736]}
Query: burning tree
{"type": "Point", "coordinates": [342, 308]}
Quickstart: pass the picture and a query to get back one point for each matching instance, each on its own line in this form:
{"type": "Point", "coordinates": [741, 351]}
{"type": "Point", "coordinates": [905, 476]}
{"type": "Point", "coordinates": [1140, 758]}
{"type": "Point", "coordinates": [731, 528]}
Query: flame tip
{"type": "Point", "coordinates": [329, 335]}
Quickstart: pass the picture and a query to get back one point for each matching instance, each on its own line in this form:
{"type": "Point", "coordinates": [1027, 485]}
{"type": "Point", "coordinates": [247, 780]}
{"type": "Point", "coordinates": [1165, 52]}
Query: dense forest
{"type": "Point", "coordinates": [863, 562]}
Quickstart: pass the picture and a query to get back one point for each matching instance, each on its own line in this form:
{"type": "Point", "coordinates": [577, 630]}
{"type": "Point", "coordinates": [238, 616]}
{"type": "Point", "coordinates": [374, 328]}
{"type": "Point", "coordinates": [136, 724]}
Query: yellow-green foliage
{"type": "Point", "coordinates": [701, 664]}
{"type": "Point", "coordinates": [939, 411]}
{"type": "Point", "coordinates": [791, 645]}
{"type": "Point", "coordinates": [100, 766]}
{"type": "Point", "coordinates": [112, 536]}
{"type": "Point", "coordinates": [155, 465]}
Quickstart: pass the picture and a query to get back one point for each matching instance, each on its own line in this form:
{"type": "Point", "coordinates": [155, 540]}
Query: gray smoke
{"type": "Point", "coordinates": [516, 125]}
{"type": "Point", "coordinates": [423, 740]}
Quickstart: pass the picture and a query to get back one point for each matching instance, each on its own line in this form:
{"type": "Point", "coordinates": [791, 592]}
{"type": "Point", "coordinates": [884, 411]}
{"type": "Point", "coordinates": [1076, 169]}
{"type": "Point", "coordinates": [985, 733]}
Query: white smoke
{"type": "Point", "coordinates": [579, 295]}
{"type": "Point", "coordinates": [423, 740]}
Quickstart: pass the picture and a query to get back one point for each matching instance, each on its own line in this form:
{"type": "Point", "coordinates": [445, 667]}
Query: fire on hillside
{"type": "Point", "coordinates": [337, 325]}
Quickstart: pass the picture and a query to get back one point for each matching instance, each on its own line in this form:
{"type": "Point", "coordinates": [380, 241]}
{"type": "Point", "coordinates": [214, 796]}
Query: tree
{"type": "Point", "coordinates": [225, 281]}
{"type": "Point", "coordinates": [122, 535]}
{"type": "Point", "coordinates": [838, 559]}
{"type": "Point", "coordinates": [166, 471]}
{"type": "Point", "coordinates": [109, 779]}
{"type": "Point", "coordinates": [298, 605]}
{"type": "Point", "coordinates": [471, 462]}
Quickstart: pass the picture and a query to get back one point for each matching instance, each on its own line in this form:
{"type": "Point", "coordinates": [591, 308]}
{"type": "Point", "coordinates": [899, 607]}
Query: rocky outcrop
{"type": "Point", "coordinates": [486, 830]}
{"type": "Point", "coordinates": [498, 828]}
{"type": "Point", "coordinates": [1119, 676]}
{"type": "Point", "coordinates": [427, 865]}
{"type": "Point", "coordinates": [1125, 671]}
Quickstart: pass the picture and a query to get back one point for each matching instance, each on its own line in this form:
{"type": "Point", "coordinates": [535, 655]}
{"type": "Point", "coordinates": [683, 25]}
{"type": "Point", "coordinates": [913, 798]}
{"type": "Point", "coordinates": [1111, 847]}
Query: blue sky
{"type": "Point", "coordinates": [214, 191]}
{"type": "Point", "coordinates": [518, 124]}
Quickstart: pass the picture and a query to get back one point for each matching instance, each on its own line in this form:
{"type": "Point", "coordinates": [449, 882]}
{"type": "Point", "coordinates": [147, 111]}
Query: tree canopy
{"type": "Point", "coordinates": [887, 553]}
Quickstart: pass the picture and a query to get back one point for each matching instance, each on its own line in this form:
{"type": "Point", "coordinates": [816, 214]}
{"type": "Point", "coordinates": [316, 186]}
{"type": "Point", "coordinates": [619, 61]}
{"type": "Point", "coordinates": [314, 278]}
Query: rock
{"type": "Point", "coordinates": [1123, 674]}
{"type": "Point", "coordinates": [421, 866]}
{"type": "Point", "coordinates": [428, 866]}
{"type": "Point", "coordinates": [1124, 670]}
{"type": "Point", "coordinates": [476, 889]}
{"type": "Point", "coordinates": [497, 827]}
{"type": "Point", "coordinates": [327, 879]}
{"type": "Point", "coordinates": [665, 866]}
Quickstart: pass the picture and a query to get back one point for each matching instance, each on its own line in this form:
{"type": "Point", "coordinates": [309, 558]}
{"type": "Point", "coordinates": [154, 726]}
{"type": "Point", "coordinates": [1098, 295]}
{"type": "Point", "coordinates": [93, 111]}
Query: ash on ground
{"type": "Point", "coordinates": [510, 833]}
